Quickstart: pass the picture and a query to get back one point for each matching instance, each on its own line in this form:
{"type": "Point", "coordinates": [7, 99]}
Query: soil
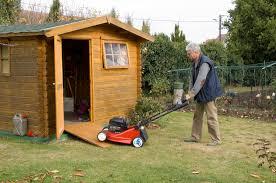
{"type": "Point", "coordinates": [246, 105]}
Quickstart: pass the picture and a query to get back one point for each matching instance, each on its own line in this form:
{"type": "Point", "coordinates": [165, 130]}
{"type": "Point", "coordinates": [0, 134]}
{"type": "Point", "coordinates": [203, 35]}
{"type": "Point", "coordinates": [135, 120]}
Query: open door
{"type": "Point", "coordinates": [59, 87]}
{"type": "Point", "coordinates": [76, 81]}
{"type": "Point", "coordinates": [77, 87]}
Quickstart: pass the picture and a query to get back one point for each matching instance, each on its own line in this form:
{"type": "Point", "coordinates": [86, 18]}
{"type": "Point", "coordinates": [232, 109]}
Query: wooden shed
{"type": "Point", "coordinates": [69, 76]}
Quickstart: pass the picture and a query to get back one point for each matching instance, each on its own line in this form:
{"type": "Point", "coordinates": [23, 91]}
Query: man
{"type": "Point", "coordinates": [204, 88]}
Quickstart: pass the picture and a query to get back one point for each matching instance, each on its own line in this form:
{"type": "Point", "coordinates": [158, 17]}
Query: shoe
{"type": "Point", "coordinates": [214, 143]}
{"type": "Point", "coordinates": [191, 139]}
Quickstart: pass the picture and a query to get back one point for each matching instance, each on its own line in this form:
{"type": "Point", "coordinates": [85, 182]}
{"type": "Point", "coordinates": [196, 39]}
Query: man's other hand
{"type": "Point", "coordinates": [189, 96]}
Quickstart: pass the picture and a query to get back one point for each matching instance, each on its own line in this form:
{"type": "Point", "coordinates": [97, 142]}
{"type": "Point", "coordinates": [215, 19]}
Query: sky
{"type": "Point", "coordinates": [198, 19]}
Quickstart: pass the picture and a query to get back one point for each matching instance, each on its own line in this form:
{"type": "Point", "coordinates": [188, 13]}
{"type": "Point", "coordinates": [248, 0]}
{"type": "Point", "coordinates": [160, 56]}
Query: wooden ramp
{"type": "Point", "coordinates": [86, 131]}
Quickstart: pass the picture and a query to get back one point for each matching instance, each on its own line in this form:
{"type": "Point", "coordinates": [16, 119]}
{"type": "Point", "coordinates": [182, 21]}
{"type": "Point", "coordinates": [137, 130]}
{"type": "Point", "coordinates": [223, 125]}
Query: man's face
{"type": "Point", "coordinates": [192, 55]}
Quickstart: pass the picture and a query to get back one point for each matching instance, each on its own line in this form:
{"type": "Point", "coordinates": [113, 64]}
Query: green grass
{"type": "Point", "coordinates": [164, 158]}
{"type": "Point", "coordinates": [241, 89]}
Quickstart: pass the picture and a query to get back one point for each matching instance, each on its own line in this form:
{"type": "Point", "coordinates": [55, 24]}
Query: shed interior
{"type": "Point", "coordinates": [76, 80]}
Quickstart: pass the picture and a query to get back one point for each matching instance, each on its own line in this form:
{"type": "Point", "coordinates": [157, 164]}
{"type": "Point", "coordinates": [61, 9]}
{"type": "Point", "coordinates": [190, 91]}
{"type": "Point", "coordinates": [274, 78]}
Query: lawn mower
{"type": "Point", "coordinates": [119, 131]}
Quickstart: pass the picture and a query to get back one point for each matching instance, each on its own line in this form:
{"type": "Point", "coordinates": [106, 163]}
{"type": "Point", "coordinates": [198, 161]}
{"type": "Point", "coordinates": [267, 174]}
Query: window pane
{"type": "Point", "coordinates": [125, 59]}
{"type": "Point", "coordinates": [124, 55]}
{"type": "Point", "coordinates": [123, 52]}
{"type": "Point", "coordinates": [109, 60]}
{"type": "Point", "coordinates": [5, 66]}
{"type": "Point", "coordinates": [108, 48]}
{"type": "Point", "coordinates": [120, 60]}
{"type": "Point", "coordinates": [123, 47]}
{"type": "Point", "coordinates": [115, 48]}
{"type": "Point", "coordinates": [4, 52]}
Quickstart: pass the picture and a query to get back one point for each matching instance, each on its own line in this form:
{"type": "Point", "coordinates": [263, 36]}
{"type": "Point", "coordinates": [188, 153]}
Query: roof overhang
{"type": "Point", "coordinates": [75, 26]}
{"type": "Point", "coordinates": [6, 35]}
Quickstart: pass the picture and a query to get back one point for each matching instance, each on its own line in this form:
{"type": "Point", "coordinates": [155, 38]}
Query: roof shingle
{"type": "Point", "coordinates": [32, 28]}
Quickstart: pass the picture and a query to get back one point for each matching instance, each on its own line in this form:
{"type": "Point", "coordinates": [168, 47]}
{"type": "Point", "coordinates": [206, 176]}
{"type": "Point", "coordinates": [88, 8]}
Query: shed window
{"type": "Point", "coordinates": [4, 60]}
{"type": "Point", "coordinates": [115, 55]}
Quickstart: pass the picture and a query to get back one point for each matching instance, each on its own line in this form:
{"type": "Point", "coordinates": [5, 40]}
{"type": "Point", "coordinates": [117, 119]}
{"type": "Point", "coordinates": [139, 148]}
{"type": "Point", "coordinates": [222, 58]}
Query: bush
{"type": "Point", "coordinates": [216, 51]}
{"type": "Point", "coordinates": [160, 87]}
{"type": "Point", "coordinates": [158, 58]}
{"type": "Point", "coordinates": [145, 107]}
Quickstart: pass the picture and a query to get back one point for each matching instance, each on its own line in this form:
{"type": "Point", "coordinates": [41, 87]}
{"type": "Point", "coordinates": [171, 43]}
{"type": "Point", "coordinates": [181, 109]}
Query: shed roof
{"type": "Point", "coordinates": [59, 28]}
{"type": "Point", "coordinates": [20, 28]}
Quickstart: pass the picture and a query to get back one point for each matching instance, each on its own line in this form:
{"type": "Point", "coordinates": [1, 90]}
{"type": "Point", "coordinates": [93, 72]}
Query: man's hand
{"type": "Point", "coordinates": [190, 95]}
{"type": "Point", "coordinates": [187, 97]}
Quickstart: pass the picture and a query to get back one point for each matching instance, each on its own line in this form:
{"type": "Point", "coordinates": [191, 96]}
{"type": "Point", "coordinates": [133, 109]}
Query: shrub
{"type": "Point", "coordinates": [145, 107]}
{"type": "Point", "coordinates": [158, 58]}
{"type": "Point", "coordinates": [265, 155]}
{"type": "Point", "coordinates": [160, 87]}
{"type": "Point", "coordinates": [216, 51]}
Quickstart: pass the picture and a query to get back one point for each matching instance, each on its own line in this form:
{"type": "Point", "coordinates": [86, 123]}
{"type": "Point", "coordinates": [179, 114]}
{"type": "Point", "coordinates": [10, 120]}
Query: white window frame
{"type": "Point", "coordinates": [106, 66]}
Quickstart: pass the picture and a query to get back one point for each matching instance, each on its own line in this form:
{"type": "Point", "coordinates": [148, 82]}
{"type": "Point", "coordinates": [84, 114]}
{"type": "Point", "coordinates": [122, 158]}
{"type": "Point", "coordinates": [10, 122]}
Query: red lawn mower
{"type": "Point", "coordinates": [119, 131]}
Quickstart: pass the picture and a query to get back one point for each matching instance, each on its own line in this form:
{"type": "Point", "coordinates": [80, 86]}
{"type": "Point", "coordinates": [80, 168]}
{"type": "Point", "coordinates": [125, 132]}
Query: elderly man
{"type": "Point", "coordinates": [204, 89]}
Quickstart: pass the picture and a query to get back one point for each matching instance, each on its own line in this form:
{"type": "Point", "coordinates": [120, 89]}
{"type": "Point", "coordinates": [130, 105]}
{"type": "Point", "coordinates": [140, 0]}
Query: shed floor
{"type": "Point", "coordinates": [86, 131]}
{"type": "Point", "coordinates": [73, 117]}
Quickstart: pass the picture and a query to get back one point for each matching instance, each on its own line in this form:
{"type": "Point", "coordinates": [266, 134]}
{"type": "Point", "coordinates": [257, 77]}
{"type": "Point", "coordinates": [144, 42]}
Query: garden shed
{"type": "Point", "coordinates": [69, 76]}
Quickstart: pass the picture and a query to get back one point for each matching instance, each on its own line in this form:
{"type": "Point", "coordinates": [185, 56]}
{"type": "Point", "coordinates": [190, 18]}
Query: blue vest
{"type": "Point", "coordinates": [211, 88]}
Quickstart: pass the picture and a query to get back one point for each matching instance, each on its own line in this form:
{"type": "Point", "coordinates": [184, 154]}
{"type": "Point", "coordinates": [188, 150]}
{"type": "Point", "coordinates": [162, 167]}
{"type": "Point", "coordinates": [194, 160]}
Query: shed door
{"type": "Point", "coordinates": [59, 87]}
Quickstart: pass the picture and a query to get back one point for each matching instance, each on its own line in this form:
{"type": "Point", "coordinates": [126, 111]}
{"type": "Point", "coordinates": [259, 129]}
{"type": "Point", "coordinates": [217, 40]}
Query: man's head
{"type": "Point", "coordinates": [193, 51]}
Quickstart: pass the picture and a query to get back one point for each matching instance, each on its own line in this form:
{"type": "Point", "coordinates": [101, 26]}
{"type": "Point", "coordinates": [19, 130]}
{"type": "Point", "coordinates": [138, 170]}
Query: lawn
{"type": "Point", "coordinates": [241, 89]}
{"type": "Point", "coordinates": [164, 158]}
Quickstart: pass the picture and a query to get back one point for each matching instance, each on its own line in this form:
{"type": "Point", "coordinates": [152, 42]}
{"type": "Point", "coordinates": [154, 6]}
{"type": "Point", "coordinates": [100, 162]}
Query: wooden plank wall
{"type": "Point", "coordinates": [115, 90]}
{"type": "Point", "coordinates": [22, 91]}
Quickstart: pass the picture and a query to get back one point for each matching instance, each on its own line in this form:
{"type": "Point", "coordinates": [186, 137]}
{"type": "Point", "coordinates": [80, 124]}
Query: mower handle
{"type": "Point", "coordinates": [163, 113]}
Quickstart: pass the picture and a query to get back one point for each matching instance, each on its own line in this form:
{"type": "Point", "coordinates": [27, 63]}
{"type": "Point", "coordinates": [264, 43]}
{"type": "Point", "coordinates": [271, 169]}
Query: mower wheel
{"type": "Point", "coordinates": [101, 136]}
{"type": "Point", "coordinates": [138, 142]}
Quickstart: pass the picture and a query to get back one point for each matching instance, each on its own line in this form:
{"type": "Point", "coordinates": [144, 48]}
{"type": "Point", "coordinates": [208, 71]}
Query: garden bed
{"type": "Point", "coordinates": [246, 105]}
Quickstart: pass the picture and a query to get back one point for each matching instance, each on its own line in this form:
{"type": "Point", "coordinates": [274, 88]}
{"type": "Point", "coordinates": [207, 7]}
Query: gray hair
{"type": "Point", "coordinates": [193, 47]}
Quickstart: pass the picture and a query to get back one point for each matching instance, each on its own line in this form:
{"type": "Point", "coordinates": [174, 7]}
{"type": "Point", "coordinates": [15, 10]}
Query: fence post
{"type": "Point", "coordinates": [242, 75]}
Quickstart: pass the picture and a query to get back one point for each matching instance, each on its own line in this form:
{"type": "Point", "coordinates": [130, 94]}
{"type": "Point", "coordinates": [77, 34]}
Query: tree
{"type": "Point", "coordinates": [179, 41]}
{"type": "Point", "coordinates": [9, 11]}
{"type": "Point", "coordinates": [129, 20]}
{"type": "Point", "coordinates": [216, 51]}
{"type": "Point", "coordinates": [114, 13]}
{"type": "Point", "coordinates": [146, 26]}
{"type": "Point", "coordinates": [252, 30]}
{"type": "Point", "coordinates": [177, 35]}
{"type": "Point", "coordinates": [55, 12]}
